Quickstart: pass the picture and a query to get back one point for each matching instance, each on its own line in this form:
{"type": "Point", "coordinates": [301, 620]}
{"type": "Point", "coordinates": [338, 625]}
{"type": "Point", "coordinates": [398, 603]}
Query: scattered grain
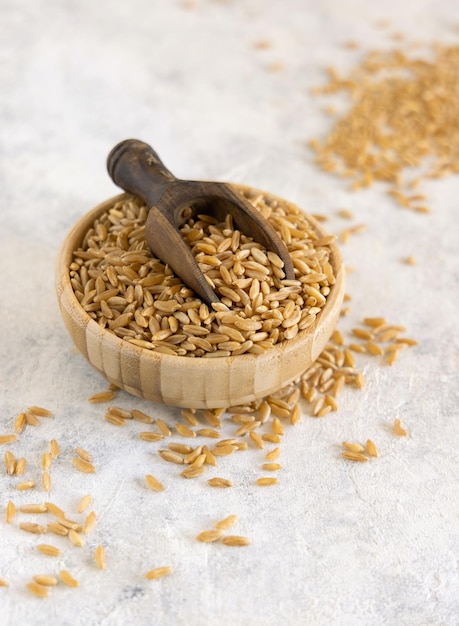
{"type": "Point", "coordinates": [8, 439]}
{"type": "Point", "coordinates": [184, 430]}
{"type": "Point", "coordinates": [153, 483]}
{"type": "Point", "coordinates": [359, 380]}
{"type": "Point", "coordinates": [373, 348]}
{"type": "Point", "coordinates": [392, 357]}
{"type": "Point", "coordinates": [353, 447]}
{"type": "Point", "coordinates": [355, 456]}
{"type": "Point", "coordinates": [68, 579]}
{"type": "Point", "coordinates": [235, 540]}
{"type": "Point", "coordinates": [37, 590]}
{"type": "Point", "coordinates": [75, 538]}
{"type": "Point", "coordinates": [193, 472]}
{"type": "Point", "coordinates": [58, 529]}
{"type": "Point", "coordinates": [10, 463]}
{"type": "Point", "coordinates": [116, 420]}
{"type": "Point", "coordinates": [10, 512]}
{"type": "Point", "coordinates": [46, 481]}
{"type": "Point", "coordinates": [39, 411]}
{"type": "Point", "coordinates": [220, 482]}
{"type": "Point", "coordinates": [371, 448]}
{"type": "Point", "coordinates": [45, 580]}
{"type": "Point", "coordinates": [46, 461]}
{"type": "Point", "coordinates": [224, 450]}
{"type": "Point", "coordinates": [209, 456]}
{"type": "Point", "coordinates": [70, 524]}
{"type": "Point", "coordinates": [100, 557]}
{"type": "Point", "coordinates": [158, 572]}
{"type": "Point", "coordinates": [33, 508]}
{"type": "Point", "coordinates": [55, 510]}
{"type": "Point", "coordinates": [89, 522]}
{"type": "Point", "coordinates": [31, 419]}
{"type": "Point", "coordinates": [258, 441]}
{"type": "Point", "coordinates": [83, 466]}
{"type": "Point", "coordinates": [271, 437]}
{"type": "Point", "coordinates": [171, 456]}
{"type": "Point", "coordinates": [140, 416]}
{"type": "Point", "coordinates": [28, 484]}
{"type": "Point", "coordinates": [181, 448]}
{"type": "Point", "coordinates": [19, 423]}
{"type": "Point", "coordinates": [21, 466]}
{"type": "Point", "coordinates": [226, 523]}
{"type": "Point", "coordinates": [400, 430]}
{"type": "Point", "coordinates": [361, 333]}
{"type": "Point", "coordinates": [117, 410]}
{"type": "Point", "coordinates": [54, 448]}
{"type": "Point", "coordinates": [84, 503]}
{"type": "Point", "coordinates": [49, 550]}
{"type": "Point", "coordinates": [85, 456]}
{"type": "Point", "coordinates": [102, 397]}
{"type": "Point", "coordinates": [31, 527]}
{"type": "Point", "coordinates": [266, 482]}
{"type": "Point", "coordinates": [402, 116]}
{"type": "Point", "coordinates": [209, 536]}
{"type": "Point", "coordinates": [273, 454]}
{"type": "Point", "coordinates": [164, 428]}
{"type": "Point", "coordinates": [151, 436]}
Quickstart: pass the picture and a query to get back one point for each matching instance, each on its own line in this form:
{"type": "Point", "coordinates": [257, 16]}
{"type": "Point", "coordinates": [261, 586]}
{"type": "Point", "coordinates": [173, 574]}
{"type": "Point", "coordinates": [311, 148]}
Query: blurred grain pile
{"type": "Point", "coordinates": [403, 123]}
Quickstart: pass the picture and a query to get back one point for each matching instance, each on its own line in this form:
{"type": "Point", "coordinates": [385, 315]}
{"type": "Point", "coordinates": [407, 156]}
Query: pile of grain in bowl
{"type": "Point", "coordinates": [135, 295]}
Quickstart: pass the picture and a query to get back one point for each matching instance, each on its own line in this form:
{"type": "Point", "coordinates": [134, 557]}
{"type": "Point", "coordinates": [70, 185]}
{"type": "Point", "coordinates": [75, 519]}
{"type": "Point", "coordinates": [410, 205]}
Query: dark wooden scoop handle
{"type": "Point", "coordinates": [135, 167]}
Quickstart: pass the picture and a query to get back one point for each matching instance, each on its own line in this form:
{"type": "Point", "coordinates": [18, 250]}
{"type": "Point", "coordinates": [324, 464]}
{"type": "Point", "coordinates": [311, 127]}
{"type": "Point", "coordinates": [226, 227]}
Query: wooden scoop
{"type": "Point", "coordinates": [135, 167]}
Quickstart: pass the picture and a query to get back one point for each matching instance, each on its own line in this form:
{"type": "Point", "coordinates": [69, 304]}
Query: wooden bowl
{"type": "Point", "coordinates": [192, 382]}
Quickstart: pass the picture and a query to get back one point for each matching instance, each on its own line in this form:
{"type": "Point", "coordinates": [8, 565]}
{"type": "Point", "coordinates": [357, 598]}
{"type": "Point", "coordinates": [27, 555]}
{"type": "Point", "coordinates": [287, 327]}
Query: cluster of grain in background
{"type": "Point", "coordinates": [399, 129]}
{"type": "Point", "coordinates": [401, 126]}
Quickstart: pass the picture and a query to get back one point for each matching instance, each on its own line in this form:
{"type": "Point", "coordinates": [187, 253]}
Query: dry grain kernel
{"type": "Point", "coordinates": [68, 579]}
{"type": "Point", "coordinates": [48, 550]}
{"type": "Point", "coordinates": [353, 447]}
{"type": "Point", "coordinates": [83, 466]}
{"type": "Point", "coordinates": [28, 484]}
{"type": "Point", "coordinates": [355, 456]}
{"type": "Point", "coordinates": [371, 448]}
{"type": "Point", "coordinates": [84, 503]}
{"type": "Point", "coordinates": [226, 523]}
{"type": "Point", "coordinates": [10, 512]}
{"type": "Point", "coordinates": [271, 467]}
{"type": "Point", "coordinates": [8, 438]}
{"type": "Point", "coordinates": [45, 580]}
{"type": "Point", "coordinates": [153, 483]}
{"type": "Point", "coordinates": [235, 540]}
{"type": "Point", "coordinates": [219, 482]}
{"type": "Point", "coordinates": [399, 429]}
{"type": "Point", "coordinates": [209, 536]}
{"type": "Point", "coordinates": [100, 557]}
{"type": "Point", "coordinates": [40, 591]}
{"type": "Point", "coordinates": [158, 572]}
{"type": "Point", "coordinates": [31, 527]}
{"type": "Point", "coordinates": [266, 482]}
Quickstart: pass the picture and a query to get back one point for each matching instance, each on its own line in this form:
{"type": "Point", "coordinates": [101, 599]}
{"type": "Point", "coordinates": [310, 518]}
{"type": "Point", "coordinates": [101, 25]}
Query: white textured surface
{"type": "Point", "coordinates": [333, 543]}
